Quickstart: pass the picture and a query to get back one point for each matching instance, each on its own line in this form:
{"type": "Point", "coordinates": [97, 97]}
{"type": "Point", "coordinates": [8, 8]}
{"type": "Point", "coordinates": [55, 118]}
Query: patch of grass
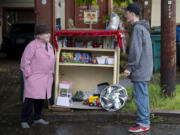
{"type": "Point", "coordinates": [4, 121]}
{"type": "Point", "coordinates": [130, 105]}
{"type": "Point", "coordinates": [158, 102]}
{"type": "Point", "coordinates": [154, 118]}
{"type": "Point", "coordinates": [156, 99]}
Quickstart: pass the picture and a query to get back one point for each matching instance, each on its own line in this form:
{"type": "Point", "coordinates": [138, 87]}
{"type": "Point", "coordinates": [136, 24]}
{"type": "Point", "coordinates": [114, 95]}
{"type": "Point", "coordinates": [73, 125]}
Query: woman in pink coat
{"type": "Point", "coordinates": [37, 65]}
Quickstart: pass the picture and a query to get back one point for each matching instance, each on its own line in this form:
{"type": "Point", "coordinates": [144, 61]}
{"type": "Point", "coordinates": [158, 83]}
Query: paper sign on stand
{"type": "Point", "coordinates": [65, 99]}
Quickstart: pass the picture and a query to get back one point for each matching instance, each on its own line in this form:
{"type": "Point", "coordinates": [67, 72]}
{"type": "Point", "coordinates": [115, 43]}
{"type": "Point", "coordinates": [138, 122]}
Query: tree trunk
{"type": "Point", "coordinates": [168, 47]}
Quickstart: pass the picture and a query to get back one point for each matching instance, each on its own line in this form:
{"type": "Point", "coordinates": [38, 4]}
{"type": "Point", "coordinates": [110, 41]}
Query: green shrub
{"type": "Point", "coordinates": [156, 100]}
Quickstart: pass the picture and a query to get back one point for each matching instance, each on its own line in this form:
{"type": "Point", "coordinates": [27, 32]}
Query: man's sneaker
{"type": "Point", "coordinates": [137, 128]}
{"type": "Point", "coordinates": [41, 121]}
{"type": "Point", "coordinates": [25, 125]}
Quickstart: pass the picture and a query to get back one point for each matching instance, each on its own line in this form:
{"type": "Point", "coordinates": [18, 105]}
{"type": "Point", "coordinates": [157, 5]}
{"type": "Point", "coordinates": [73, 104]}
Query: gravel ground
{"type": "Point", "coordinates": [9, 83]}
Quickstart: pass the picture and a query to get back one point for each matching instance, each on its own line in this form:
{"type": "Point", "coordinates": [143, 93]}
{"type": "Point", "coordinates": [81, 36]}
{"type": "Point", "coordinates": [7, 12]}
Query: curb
{"type": "Point", "coordinates": [167, 113]}
{"type": "Point", "coordinates": [90, 116]}
{"type": "Point", "coordinates": [84, 116]}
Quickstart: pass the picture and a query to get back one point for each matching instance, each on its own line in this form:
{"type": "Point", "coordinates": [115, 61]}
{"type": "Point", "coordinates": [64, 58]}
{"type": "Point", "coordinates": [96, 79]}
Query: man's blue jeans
{"type": "Point", "coordinates": [141, 97]}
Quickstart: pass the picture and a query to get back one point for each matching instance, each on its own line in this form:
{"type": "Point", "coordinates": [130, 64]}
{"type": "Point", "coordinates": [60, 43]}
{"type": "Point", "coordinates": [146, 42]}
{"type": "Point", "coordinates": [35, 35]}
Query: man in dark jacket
{"type": "Point", "coordinates": [140, 66]}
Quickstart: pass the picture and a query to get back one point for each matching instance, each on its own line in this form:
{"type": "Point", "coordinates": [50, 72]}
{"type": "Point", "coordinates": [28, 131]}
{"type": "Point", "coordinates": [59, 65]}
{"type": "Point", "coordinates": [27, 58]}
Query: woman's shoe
{"type": "Point", "coordinates": [25, 125]}
{"type": "Point", "coordinates": [41, 121]}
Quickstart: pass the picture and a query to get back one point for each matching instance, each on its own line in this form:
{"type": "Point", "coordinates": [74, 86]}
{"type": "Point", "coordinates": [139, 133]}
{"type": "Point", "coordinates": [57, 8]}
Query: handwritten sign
{"type": "Point", "coordinates": [169, 8]}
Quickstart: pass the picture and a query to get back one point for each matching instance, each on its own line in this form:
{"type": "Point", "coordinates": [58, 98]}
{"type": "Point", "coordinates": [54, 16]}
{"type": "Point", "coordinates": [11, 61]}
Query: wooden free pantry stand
{"type": "Point", "coordinates": [85, 77]}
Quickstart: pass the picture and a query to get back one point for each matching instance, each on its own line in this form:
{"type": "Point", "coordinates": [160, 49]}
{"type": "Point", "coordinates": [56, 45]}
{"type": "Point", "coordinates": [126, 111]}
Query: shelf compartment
{"type": "Point", "coordinates": [87, 49]}
{"type": "Point", "coordinates": [79, 105]}
{"type": "Point", "coordinates": [85, 65]}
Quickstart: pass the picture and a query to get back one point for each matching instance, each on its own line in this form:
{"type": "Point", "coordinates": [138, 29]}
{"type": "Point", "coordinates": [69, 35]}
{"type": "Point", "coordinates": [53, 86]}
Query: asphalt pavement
{"type": "Point", "coordinates": [87, 128]}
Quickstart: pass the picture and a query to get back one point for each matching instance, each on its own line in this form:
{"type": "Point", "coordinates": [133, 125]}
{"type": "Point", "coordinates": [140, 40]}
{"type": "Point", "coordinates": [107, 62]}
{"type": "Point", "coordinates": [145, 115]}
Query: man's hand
{"type": "Point", "coordinates": [126, 73]}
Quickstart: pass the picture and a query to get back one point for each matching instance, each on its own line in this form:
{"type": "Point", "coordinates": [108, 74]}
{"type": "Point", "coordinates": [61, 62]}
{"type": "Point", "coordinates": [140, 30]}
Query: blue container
{"type": "Point", "coordinates": [178, 34]}
{"type": "Point", "coordinates": [156, 45]}
{"type": "Point", "coordinates": [178, 53]}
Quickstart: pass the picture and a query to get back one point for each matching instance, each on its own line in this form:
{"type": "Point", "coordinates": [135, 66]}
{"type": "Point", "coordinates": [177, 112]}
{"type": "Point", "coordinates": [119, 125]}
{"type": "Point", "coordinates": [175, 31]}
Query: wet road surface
{"type": "Point", "coordinates": [86, 128]}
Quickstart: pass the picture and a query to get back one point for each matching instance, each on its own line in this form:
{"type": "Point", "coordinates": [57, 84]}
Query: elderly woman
{"type": "Point", "coordinates": [37, 65]}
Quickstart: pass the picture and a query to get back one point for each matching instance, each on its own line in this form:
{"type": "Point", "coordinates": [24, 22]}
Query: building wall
{"type": "Point", "coordinates": [156, 12]}
{"type": "Point", "coordinates": [177, 11]}
{"type": "Point", "coordinates": [44, 17]}
{"type": "Point", "coordinates": [26, 16]}
{"type": "Point", "coordinates": [60, 11]}
{"type": "Point", "coordinates": [17, 3]}
{"type": "Point", "coordinates": [12, 3]}
{"type": "Point", "coordinates": [76, 14]}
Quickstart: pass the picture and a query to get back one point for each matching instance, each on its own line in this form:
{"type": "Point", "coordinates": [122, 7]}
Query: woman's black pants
{"type": "Point", "coordinates": [28, 106]}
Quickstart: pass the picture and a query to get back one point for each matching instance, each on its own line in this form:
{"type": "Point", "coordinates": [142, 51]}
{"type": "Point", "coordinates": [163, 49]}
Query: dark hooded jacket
{"type": "Point", "coordinates": [140, 61]}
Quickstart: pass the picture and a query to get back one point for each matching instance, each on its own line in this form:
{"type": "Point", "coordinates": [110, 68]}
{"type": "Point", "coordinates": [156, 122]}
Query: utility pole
{"type": "Point", "coordinates": [168, 47]}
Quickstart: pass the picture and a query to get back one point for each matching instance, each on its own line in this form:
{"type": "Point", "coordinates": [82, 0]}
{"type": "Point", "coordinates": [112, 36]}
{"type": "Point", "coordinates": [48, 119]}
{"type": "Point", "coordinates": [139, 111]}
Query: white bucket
{"type": "Point", "coordinates": [101, 60]}
{"type": "Point", "coordinates": [110, 61]}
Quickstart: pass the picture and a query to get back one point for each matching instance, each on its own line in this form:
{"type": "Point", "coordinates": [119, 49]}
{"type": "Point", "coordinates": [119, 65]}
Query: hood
{"type": "Point", "coordinates": [143, 23]}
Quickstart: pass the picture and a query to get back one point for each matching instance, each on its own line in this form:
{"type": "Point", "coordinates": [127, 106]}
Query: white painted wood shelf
{"type": "Point", "coordinates": [87, 49]}
{"type": "Point", "coordinates": [85, 77]}
{"type": "Point", "coordinates": [79, 105]}
{"type": "Point", "coordinates": [85, 65]}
